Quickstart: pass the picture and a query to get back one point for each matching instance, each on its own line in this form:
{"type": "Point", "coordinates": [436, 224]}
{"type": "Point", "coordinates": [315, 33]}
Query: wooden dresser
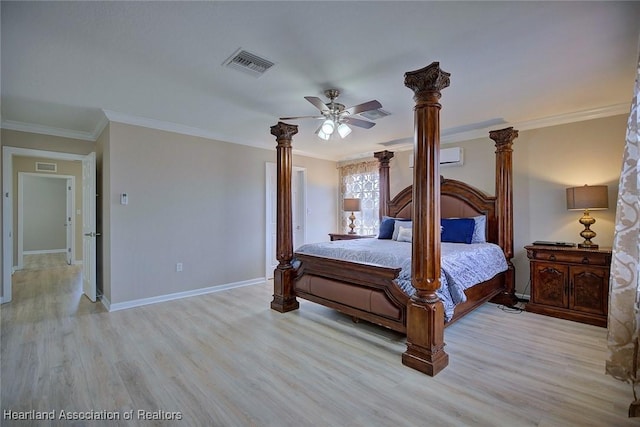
{"type": "Point", "coordinates": [570, 283]}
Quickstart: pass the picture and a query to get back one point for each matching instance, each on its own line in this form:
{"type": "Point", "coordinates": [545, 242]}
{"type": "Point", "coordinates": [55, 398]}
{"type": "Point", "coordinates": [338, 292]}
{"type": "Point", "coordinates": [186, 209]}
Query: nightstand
{"type": "Point", "coordinates": [570, 283]}
{"type": "Point", "coordinates": [339, 236]}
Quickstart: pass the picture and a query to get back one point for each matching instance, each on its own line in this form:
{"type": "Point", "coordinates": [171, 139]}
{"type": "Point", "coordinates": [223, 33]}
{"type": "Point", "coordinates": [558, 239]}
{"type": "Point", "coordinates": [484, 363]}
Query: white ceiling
{"type": "Point", "coordinates": [159, 64]}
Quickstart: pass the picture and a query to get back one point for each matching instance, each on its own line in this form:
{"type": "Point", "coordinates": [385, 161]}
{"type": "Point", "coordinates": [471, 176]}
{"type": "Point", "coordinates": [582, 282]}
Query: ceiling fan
{"type": "Point", "coordinates": [336, 116]}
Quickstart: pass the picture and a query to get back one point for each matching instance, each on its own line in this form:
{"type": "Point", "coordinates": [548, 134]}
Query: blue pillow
{"type": "Point", "coordinates": [458, 230]}
{"type": "Point", "coordinates": [386, 227]}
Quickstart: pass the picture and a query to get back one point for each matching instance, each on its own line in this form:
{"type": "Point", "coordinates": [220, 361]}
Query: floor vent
{"type": "Point", "coordinates": [248, 62]}
{"type": "Point", "coordinates": [46, 167]}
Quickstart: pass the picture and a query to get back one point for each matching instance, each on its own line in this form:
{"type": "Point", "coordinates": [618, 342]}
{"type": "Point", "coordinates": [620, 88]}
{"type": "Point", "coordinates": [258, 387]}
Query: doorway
{"type": "Point", "coordinates": [298, 212]}
{"type": "Point", "coordinates": [46, 220]}
{"type": "Point", "coordinates": [9, 212]}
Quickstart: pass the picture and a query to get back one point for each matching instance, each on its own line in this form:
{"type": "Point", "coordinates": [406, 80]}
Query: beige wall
{"type": "Point", "coordinates": [545, 162]}
{"type": "Point", "coordinates": [195, 201]}
{"type": "Point", "coordinates": [202, 202]}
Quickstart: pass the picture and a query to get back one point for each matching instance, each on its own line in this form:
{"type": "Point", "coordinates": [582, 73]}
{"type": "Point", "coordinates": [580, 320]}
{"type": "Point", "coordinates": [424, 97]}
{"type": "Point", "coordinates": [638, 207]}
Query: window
{"type": "Point", "coordinates": [361, 180]}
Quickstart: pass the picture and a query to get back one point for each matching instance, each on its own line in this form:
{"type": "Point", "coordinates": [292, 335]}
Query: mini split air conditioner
{"type": "Point", "coordinates": [448, 157]}
{"type": "Point", "coordinates": [451, 156]}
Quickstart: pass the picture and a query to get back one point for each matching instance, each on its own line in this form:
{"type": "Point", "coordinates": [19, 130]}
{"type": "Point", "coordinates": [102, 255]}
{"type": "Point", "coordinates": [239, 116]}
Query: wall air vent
{"type": "Point", "coordinates": [248, 62]}
{"type": "Point", "coordinates": [46, 167]}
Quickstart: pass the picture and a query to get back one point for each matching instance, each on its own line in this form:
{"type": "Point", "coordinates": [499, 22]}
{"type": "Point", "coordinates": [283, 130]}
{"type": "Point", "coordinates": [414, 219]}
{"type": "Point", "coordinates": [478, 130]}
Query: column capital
{"type": "Point", "coordinates": [383, 157]}
{"type": "Point", "coordinates": [504, 137]}
{"type": "Point", "coordinates": [284, 131]}
{"type": "Point", "coordinates": [427, 82]}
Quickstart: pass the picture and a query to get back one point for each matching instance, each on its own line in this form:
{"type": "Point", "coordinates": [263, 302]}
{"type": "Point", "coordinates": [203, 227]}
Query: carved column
{"type": "Point", "coordinates": [384, 157]}
{"type": "Point", "coordinates": [283, 296]}
{"type": "Point", "coordinates": [425, 312]}
{"type": "Point", "coordinates": [503, 139]}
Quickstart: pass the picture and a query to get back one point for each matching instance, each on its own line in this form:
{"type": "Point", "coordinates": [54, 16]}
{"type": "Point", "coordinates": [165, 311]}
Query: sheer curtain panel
{"type": "Point", "coordinates": [361, 181]}
{"type": "Point", "coordinates": [623, 361]}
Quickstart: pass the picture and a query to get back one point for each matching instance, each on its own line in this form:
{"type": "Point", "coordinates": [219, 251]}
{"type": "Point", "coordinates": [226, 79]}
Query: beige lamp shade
{"type": "Point", "coordinates": [591, 197]}
{"type": "Point", "coordinates": [351, 205]}
{"type": "Point", "coordinates": [586, 198]}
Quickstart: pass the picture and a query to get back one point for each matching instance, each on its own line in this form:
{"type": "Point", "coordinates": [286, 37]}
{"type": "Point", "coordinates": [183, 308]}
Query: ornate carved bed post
{"type": "Point", "coordinates": [283, 297]}
{"type": "Point", "coordinates": [425, 312]}
{"type": "Point", "coordinates": [385, 191]}
{"type": "Point", "coordinates": [503, 139]}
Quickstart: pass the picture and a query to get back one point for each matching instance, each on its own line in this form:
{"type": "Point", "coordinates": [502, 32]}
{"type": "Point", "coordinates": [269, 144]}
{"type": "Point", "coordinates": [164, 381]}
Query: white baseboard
{"type": "Point", "coordinates": [178, 295]}
{"type": "Point", "coordinates": [105, 302]}
{"type": "Point", "coordinates": [45, 251]}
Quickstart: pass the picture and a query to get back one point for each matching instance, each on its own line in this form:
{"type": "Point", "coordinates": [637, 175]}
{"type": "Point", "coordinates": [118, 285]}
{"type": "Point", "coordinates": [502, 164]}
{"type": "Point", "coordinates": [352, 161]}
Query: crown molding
{"type": "Point", "coordinates": [124, 118]}
{"type": "Point", "coordinates": [129, 119]}
{"type": "Point", "coordinates": [114, 116]}
{"type": "Point", "coordinates": [102, 124]}
{"type": "Point", "coordinates": [48, 130]}
{"type": "Point", "coordinates": [561, 119]}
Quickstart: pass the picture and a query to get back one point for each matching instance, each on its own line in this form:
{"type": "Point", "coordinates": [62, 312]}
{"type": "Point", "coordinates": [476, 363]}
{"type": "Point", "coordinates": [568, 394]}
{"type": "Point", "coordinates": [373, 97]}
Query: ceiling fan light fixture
{"type": "Point", "coordinates": [344, 130]}
{"type": "Point", "coordinates": [323, 135]}
{"type": "Point", "coordinates": [328, 127]}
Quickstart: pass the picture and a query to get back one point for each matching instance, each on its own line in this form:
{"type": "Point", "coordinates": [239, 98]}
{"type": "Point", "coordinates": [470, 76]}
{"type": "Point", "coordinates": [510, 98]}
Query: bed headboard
{"type": "Point", "coordinates": [457, 200]}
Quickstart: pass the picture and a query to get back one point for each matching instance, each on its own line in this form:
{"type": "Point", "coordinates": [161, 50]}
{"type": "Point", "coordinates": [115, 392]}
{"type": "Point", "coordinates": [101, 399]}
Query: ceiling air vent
{"type": "Point", "coordinates": [248, 62]}
{"type": "Point", "coordinates": [375, 114]}
{"type": "Point", "coordinates": [46, 167]}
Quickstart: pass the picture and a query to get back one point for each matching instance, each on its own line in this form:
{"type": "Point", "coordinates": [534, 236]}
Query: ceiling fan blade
{"type": "Point", "coordinates": [317, 102]}
{"type": "Point", "coordinates": [361, 108]}
{"type": "Point", "coordinates": [302, 117]}
{"type": "Point", "coordinates": [357, 122]}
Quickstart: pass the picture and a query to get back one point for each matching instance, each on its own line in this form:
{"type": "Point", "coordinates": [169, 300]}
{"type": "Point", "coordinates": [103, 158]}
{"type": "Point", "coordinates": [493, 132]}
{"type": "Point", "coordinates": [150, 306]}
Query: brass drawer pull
{"type": "Point", "coordinates": [552, 257]}
{"type": "Point", "coordinates": [585, 260]}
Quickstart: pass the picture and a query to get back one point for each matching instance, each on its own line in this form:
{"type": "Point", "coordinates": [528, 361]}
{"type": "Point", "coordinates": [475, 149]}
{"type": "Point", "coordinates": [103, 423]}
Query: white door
{"type": "Point", "coordinates": [270, 215]}
{"type": "Point", "coordinates": [68, 220]}
{"type": "Point", "coordinates": [299, 209]}
{"type": "Point", "coordinates": [89, 226]}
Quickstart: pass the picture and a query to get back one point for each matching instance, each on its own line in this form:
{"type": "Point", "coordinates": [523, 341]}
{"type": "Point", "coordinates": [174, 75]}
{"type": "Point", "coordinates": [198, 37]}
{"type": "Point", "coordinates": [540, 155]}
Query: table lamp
{"type": "Point", "coordinates": [586, 198]}
{"type": "Point", "coordinates": [351, 205]}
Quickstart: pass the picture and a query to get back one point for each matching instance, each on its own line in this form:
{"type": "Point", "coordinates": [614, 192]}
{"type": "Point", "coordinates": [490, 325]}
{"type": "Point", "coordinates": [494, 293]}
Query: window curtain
{"type": "Point", "coordinates": [361, 181]}
{"type": "Point", "coordinates": [623, 360]}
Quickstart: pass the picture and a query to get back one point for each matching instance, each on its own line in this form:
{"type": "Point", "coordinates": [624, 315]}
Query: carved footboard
{"type": "Point", "coordinates": [365, 291]}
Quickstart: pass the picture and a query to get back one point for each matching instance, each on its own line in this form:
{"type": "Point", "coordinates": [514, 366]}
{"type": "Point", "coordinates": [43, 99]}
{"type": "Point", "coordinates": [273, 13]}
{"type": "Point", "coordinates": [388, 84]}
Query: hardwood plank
{"type": "Point", "coordinates": [217, 359]}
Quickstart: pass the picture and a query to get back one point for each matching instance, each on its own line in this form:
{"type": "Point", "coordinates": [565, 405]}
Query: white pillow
{"type": "Point", "coordinates": [405, 234]}
{"type": "Point", "coordinates": [480, 229]}
{"type": "Point", "coordinates": [398, 224]}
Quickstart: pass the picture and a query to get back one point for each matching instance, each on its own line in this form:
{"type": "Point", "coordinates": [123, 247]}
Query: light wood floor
{"type": "Point", "coordinates": [44, 261]}
{"type": "Point", "coordinates": [226, 359]}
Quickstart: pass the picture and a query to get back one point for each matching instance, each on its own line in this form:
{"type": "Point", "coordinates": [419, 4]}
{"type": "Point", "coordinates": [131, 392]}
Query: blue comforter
{"type": "Point", "coordinates": [462, 265]}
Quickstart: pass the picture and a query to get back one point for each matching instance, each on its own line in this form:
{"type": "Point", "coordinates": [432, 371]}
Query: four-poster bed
{"type": "Point", "coordinates": [370, 291]}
